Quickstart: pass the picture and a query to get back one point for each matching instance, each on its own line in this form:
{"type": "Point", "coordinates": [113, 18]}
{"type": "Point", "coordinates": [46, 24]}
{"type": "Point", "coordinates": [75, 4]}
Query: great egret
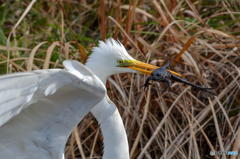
{"type": "Point", "coordinates": [39, 109]}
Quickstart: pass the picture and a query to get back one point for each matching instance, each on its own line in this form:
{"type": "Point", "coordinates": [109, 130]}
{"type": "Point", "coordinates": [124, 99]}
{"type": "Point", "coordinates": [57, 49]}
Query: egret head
{"type": "Point", "coordinates": [111, 57]}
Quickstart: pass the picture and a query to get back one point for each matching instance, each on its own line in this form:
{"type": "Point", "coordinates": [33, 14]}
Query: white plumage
{"type": "Point", "coordinates": [39, 109]}
{"type": "Point", "coordinates": [105, 57]}
{"type": "Point", "coordinates": [44, 106]}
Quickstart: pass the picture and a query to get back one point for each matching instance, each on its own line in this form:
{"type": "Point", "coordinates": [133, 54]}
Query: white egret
{"type": "Point", "coordinates": [39, 109]}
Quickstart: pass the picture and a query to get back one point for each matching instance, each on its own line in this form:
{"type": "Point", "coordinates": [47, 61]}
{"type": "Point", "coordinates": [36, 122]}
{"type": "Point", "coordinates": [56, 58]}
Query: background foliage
{"type": "Point", "coordinates": [179, 123]}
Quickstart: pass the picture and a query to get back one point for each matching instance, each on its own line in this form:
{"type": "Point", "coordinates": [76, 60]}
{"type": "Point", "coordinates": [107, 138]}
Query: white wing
{"type": "Point", "coordinates": [18, 91]}
{"type": "Point", "coordinates": [42, 107]}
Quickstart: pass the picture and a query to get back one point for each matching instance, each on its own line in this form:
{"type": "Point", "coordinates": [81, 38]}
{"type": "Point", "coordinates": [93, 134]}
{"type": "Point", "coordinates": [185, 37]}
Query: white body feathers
{"type": "Point", "coordinates": [39, 109]}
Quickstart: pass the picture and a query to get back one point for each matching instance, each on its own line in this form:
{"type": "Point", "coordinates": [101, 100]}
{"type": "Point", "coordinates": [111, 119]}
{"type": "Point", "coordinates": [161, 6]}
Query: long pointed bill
{"type": "Point", "coordinates": [143, 67]}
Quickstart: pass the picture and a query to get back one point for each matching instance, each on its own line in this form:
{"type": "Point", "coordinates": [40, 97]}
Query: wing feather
{"type": "Point", "coordinates": [20, 90]}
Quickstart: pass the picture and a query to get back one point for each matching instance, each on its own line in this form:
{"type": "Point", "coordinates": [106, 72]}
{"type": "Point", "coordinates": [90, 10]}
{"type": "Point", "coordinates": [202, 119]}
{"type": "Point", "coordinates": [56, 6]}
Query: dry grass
{"type": "Point", "coordinates": [181, 123]}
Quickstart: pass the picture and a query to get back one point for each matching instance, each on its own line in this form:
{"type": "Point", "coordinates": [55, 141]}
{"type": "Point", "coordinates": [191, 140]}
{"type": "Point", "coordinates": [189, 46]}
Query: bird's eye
{"type": "Point", "coordinates": [120, 61]}
{"type": "Point", "coordinates": [123, 63]}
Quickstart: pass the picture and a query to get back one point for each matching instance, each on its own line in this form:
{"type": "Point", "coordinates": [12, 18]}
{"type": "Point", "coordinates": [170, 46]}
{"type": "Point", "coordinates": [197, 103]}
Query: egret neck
{"type": "Point", "coordinates": [115, 141]}
{"type": "Point", "coordinates": [110, 58]}
{"type": "Point", "coordinates": [113, 131]}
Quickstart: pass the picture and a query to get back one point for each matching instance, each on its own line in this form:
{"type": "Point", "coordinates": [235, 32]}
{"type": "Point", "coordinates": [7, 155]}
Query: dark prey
{"type": "Point", "coordinates": [163, 75]}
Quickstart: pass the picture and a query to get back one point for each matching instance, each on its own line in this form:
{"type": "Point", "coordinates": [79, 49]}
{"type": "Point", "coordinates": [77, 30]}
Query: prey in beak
{"type": "Point", "coordinates": [163, 75]}
{"type": "Point", "coordinates": [160, 74]}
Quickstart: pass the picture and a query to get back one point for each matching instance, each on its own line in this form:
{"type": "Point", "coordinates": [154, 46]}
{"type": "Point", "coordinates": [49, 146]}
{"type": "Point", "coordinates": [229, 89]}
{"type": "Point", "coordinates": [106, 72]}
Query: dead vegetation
{"type": "Point", "coordinates": [200, 36]}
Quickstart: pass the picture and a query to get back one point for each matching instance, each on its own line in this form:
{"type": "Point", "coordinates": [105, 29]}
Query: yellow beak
{"type": "Point", "coordinates": [142, 67]}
